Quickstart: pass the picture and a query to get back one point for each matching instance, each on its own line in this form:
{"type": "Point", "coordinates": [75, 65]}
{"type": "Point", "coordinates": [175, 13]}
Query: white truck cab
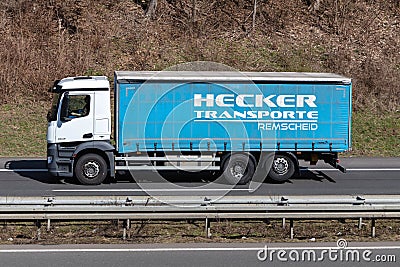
{"type": "Point", "coordinates": [79, 120]}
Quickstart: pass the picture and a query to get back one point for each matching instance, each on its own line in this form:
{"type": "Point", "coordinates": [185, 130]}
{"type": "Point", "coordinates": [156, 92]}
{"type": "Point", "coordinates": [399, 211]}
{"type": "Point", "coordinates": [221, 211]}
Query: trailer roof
{"type": "Point", "coordinates": [228, 76]}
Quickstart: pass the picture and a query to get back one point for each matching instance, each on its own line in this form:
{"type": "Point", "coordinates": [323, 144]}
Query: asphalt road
{"type": "Point", "coordinates": [294, 254]}
{"type": "Point", "coordinates": [28, 177]}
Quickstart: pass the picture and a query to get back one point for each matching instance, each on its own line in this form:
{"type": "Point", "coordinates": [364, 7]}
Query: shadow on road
{"type": "Point", "coordinates": [34, 169]}
{"type": "Point", "coordinates": [305, 174]}
{"type": "Point", "coordinates": [319, 176]}
{"type": "Point", "coordinates": [25, 164]}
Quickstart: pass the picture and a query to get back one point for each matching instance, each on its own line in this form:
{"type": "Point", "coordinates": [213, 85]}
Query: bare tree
{"type": "Point", "coordinates": [151, 8]}
{"type": "Point", "coordinates": [314, 5]}
{"type": "Point", "coordinates": [254, 13]}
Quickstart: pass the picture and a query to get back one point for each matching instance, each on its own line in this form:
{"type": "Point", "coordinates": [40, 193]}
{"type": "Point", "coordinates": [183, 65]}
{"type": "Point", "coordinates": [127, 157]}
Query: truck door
{"type": "Point", "coordinates": [75, 122]}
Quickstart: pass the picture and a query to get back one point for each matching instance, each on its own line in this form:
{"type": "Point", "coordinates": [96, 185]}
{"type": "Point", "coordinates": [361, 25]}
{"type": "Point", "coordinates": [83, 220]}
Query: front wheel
{"type": "Point", "coordinates": [91, 169]}
{"type": "Point", "coordinates": [282, 169]}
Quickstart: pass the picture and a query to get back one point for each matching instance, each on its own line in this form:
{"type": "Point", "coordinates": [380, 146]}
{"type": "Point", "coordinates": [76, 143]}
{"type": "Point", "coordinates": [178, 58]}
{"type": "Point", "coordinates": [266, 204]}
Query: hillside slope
{"type": "Point", "coordinates": [45, 40]}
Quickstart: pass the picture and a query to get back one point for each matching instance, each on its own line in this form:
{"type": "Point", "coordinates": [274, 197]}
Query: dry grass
{"type": "Point", "coordinates": [106, 232]}
{"type": "Point", "coordinates": [23, 129]}
{"type": "Point", "coordinates": [376, 134]}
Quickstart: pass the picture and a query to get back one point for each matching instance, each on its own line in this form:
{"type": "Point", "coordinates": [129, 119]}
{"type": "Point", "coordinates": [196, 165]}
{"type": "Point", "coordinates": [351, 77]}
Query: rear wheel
{"type": "Point", "coordinates": [238, 169]}
{"type": "Point", "coordinates": [91, 169]}
{"type": "Point", "coordinates": [283, 168]}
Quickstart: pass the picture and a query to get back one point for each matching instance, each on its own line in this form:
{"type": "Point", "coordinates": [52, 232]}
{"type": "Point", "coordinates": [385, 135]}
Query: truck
{"type": "Point", "coordinates": [231, 123]}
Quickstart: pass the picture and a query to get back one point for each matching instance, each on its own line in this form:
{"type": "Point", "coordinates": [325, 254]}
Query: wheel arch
{"type": "Point", "coordinates": [103, 149]}
{"type": "Point", "coordinates": [228, 154]}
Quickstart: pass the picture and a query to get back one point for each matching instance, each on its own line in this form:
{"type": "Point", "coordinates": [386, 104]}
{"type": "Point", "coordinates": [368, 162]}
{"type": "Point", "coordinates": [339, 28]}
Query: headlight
{"type": "Point", "coordinates": [49, 159]}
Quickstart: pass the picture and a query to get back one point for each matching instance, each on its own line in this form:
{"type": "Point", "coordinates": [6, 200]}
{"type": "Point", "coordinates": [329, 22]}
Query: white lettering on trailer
{"type": "Point", "coordinates": [241, 103]}
{"type": "Point", "coordinates": [308, 99]}
{"type": "Point", "coordinates": [272, 126]}
{"type": "Point", "coordinates": [222, 99]}
{"type": "Point", "coordinates": [209, 100]}
{"type": "Point", "coordinates": [247, 100]}
{"type": "Point", "coordinates": [279, 118]}
{"type": "Point", "coordinates": [260, 99]}
{"type": "Point", "coordinates": [252, 114]}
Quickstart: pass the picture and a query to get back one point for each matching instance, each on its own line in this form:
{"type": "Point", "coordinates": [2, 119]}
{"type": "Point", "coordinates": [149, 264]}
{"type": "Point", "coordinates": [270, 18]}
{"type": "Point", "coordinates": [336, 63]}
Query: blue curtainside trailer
{"type": "Point", "coordinates": [258, 111]}
{"type": "Point", "coordinates": [230, 122]}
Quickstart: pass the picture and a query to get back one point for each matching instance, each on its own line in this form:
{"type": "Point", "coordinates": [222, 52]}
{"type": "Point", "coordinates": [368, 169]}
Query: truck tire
{"type": "Point", "coordinates": [238, 169]}
{"type": "Point", "coordinates": [283, 167]}
{"type": "Point", "coordinates": [91, 169]}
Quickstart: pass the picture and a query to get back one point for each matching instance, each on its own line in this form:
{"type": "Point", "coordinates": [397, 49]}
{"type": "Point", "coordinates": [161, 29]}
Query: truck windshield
{"type": "Point", "coordinates": [52, 114]}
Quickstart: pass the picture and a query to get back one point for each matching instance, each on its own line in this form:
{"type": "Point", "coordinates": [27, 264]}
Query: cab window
{"type": "Point", "coordinates": [78, 106]}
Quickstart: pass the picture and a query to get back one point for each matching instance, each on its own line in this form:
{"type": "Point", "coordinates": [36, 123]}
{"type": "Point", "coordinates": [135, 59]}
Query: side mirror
{"type": "Point", "coordinates": [49, 117]}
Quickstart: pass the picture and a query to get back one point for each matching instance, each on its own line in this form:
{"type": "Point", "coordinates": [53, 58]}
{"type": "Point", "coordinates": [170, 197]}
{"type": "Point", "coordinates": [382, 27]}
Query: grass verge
{"type": "Point", "coordinates": [23, 129]}
{"type": "Point", "coordinates": [111, 232]}
{"type": "Point", "coordinates": [376, 135]}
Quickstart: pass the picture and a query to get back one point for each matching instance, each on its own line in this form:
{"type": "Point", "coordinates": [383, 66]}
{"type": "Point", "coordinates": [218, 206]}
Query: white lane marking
{"type": "Point", "coordinates": [47, 250]}
{"type": "Point", "coordinates": [23, 170]}
{"type": "Point", "coordinates": [310, 169]}
{"type": "Point", "coordinates": [356, 169]}
{"type": "Point", "coordinates": [148, 190]}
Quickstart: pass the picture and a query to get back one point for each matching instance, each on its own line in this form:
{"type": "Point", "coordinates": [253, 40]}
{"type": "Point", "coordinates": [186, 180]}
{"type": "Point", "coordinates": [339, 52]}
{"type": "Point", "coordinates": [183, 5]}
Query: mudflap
{"type": "Point", "coordinates": [336, 165]}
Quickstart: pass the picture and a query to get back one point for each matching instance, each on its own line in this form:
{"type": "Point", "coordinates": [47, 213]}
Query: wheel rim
{"type": "Point", "coordinates": [238, 170]}
{"type": "Point", "coordinates": [91, 169]}
{"type": "Point", "coordinates": [281, 165]}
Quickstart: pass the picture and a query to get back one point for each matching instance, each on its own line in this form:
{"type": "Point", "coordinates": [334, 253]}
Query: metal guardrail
{"type": "Point", "coordinates": [200, 207]}
{"type": "Point", "coordinates": [205, 208]}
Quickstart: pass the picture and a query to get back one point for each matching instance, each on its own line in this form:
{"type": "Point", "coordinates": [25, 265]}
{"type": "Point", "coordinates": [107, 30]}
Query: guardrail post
{"type": "Point", "coordinates": [291, 229]}
{"type": "Point", "coordinates": [38, 224]}
{"type": "Point", "coordinates": [283, 223]}
{"type": "Point", "coordinates": [208, 228]}
{"type": "Point", "coordinates": [126, 228]}
{"type": "Point", "coordinates": [360, 223]}
{"type": "Point", "coordinates": [373, 227]}
{"type": "Point", "coordinates": [48, 225]}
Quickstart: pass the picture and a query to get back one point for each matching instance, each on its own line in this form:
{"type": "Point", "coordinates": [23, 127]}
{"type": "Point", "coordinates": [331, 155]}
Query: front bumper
{"type": "Point", "coordinates": [58, 166]}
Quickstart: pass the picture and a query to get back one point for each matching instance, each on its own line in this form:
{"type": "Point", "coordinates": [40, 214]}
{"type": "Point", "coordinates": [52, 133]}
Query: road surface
{"type": "Point", "coordinates": [203, 254]}
{"type": "Point", "coordinates": [28, 177]}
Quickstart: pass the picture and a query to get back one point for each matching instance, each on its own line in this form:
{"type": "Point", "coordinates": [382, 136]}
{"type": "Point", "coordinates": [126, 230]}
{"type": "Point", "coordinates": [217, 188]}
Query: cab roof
{"type": "Point", "coordinates": [81, 83]}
